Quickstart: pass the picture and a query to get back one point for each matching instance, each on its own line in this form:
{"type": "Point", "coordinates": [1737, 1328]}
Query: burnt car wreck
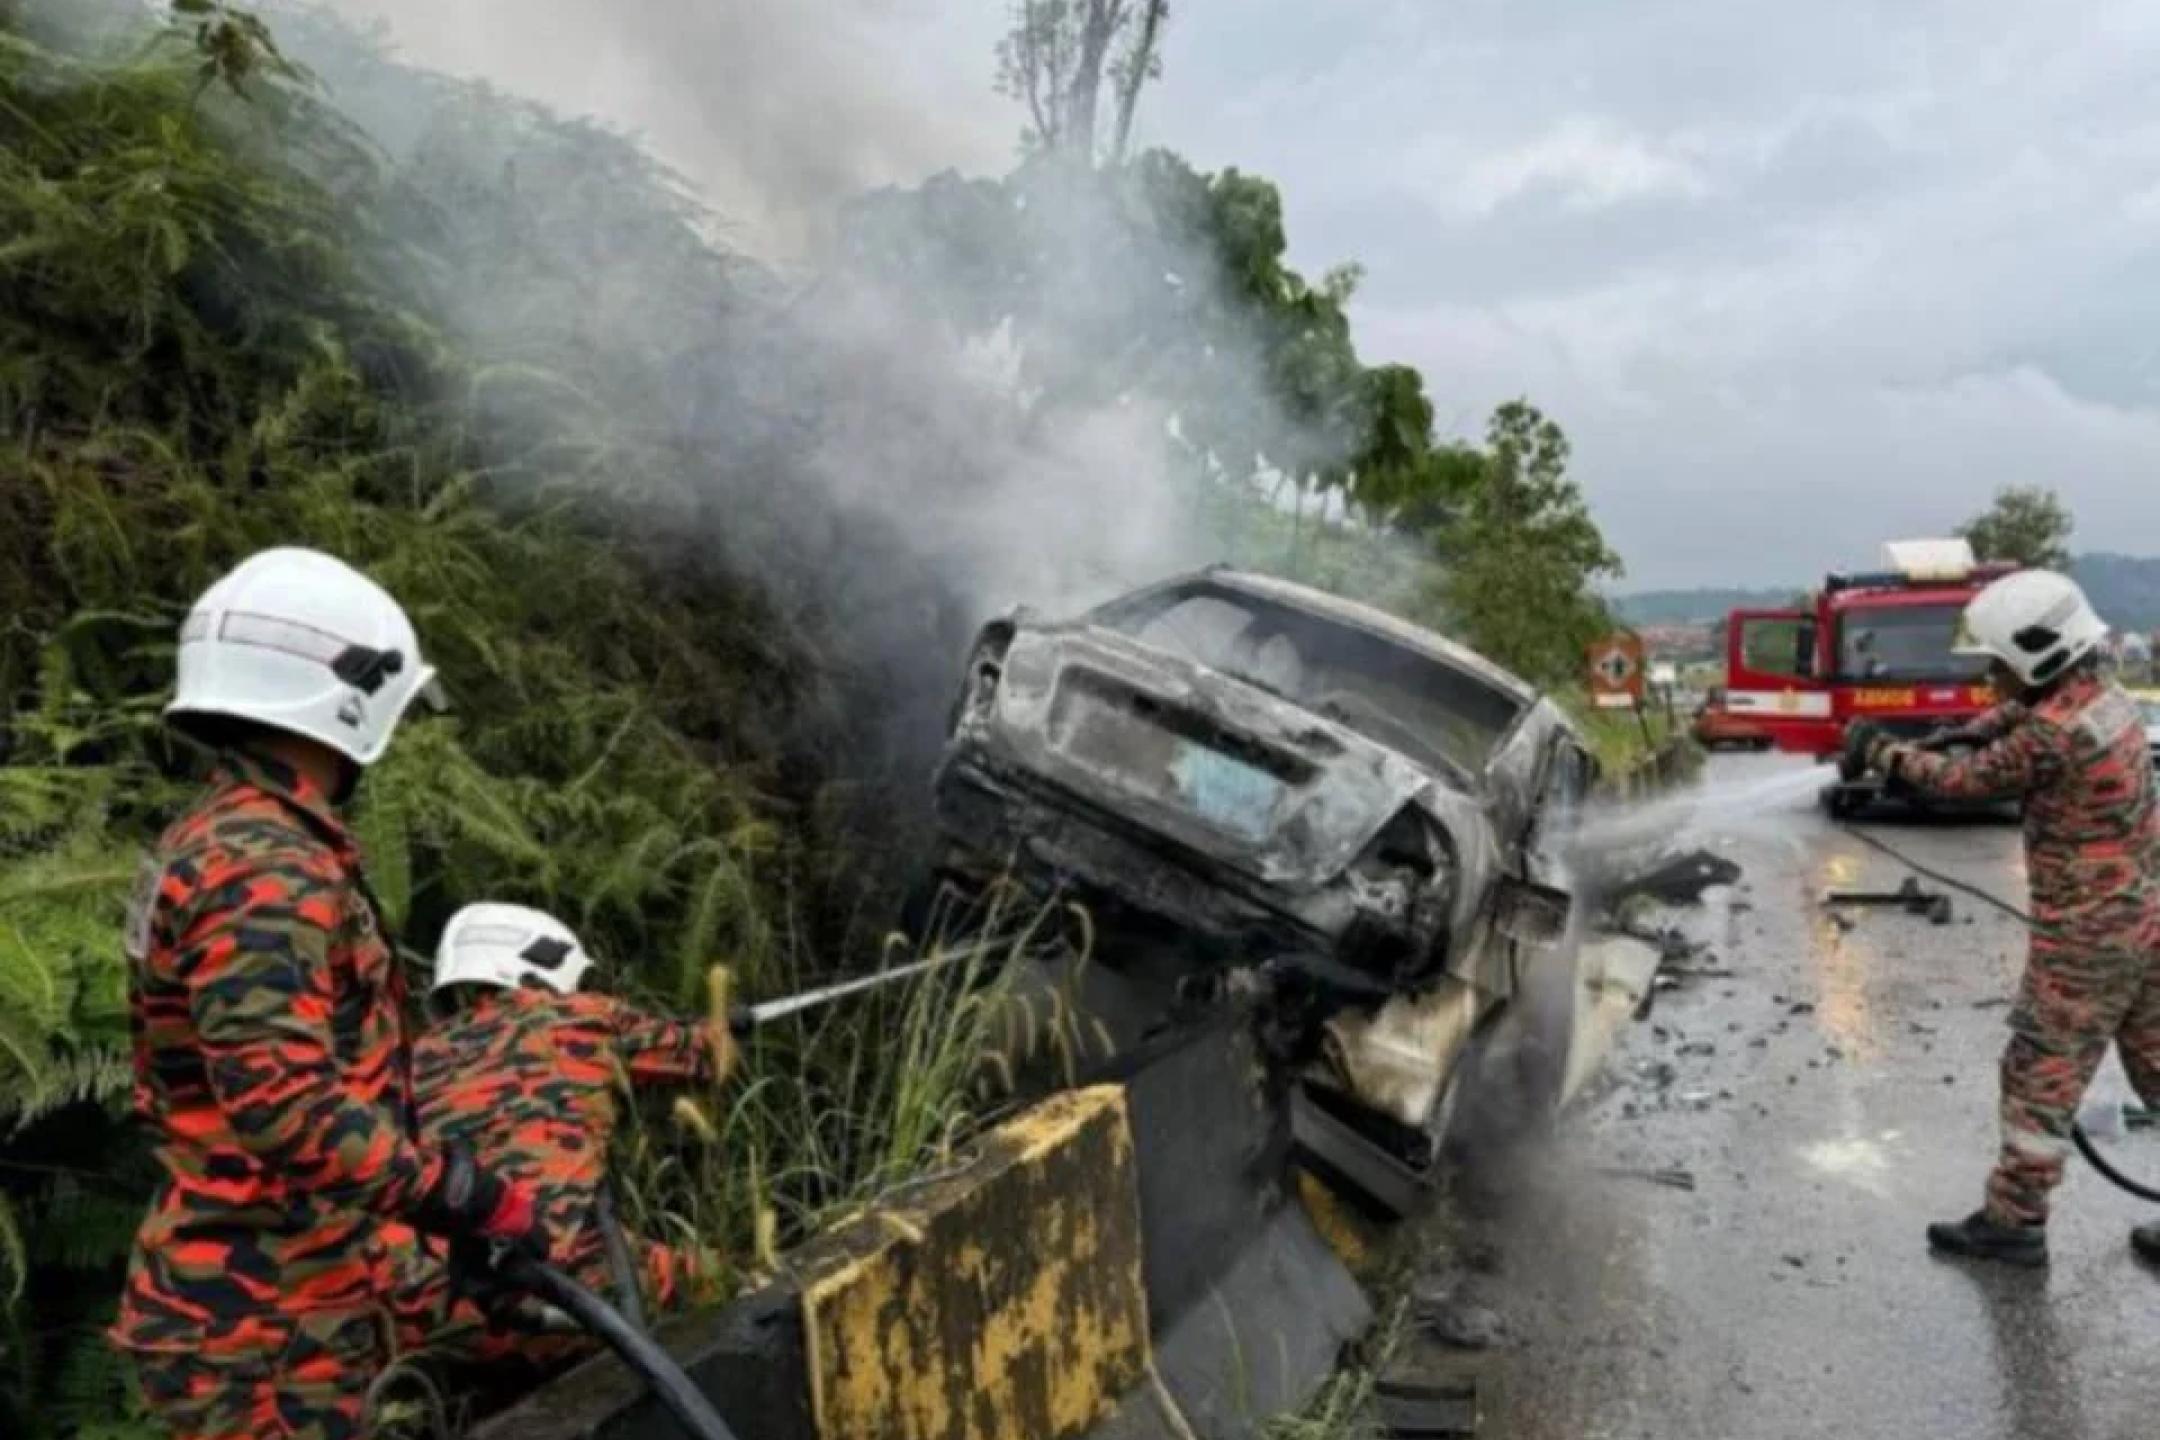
{"type": "Point", "coordinates": [1240, 776]}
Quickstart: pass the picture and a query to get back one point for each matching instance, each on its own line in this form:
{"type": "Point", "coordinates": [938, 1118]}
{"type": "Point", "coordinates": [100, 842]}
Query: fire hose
{"type": "Point", "coordinates": [676, 1391]}
{"type": "Point", "coordinates": [2078, 1137]}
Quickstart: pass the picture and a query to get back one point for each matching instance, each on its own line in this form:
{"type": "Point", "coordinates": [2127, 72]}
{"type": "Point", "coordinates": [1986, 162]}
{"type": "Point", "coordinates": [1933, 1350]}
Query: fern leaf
{"type": "Point", "coordinates": [14, 1254]}
{"type": "Point", "coordinates": [633, 872]}
{"type": "Point", "coordinates": [25, 1064]}
{"type": "Point", "coordinates": [381, 824]}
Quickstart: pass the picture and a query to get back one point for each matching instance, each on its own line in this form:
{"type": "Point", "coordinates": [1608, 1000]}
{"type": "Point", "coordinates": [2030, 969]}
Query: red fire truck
{"type": "Point", "coordinates": [1872, 646]}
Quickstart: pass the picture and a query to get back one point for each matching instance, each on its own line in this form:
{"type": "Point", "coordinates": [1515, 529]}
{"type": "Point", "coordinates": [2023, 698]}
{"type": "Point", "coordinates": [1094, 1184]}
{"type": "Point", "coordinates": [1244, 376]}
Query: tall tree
{"type": "Point", "coordinates": [1056, 58]}
{"type": "Point", "coordinates": [1154, 279]}
{"type": "Point", "coordinates": [1141, 62]}
{"type": "Point", "coordinates": [2028, 524]}
{"type": "Point", "coordinates": [1522, 553]}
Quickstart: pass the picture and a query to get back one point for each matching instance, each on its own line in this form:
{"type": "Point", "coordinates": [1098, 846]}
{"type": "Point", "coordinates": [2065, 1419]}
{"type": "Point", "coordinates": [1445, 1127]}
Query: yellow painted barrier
{"type": "Point", "coordinates": [1004, 1300]}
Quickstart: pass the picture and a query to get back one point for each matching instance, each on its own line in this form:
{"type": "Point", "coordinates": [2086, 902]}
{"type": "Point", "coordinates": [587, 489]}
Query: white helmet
{"type": "Point", "coordinates": [2036, 622]}
{"type": "Point", "coordinates": [299, 641]}
{"type": "Point", "coordinates": [501, 945]}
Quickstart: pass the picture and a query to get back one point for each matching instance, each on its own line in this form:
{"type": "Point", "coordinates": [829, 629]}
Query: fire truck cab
{"type": "Point", "coordinates": [1875, 646]}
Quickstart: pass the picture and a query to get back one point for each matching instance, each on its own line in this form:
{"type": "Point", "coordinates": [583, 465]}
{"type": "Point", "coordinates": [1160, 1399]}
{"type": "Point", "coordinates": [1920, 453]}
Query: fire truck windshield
{"type": "Point", "coordinates": [1903, 642]}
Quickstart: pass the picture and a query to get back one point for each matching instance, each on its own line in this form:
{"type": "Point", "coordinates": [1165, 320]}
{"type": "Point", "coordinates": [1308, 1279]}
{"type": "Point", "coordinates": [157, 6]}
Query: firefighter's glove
{"type": "Point", "coordinates": [469, 1204]}
{"type": "Point", "coordinates": [1864, 744]}
{"type": "Point", "coordinates": [1943, 741]}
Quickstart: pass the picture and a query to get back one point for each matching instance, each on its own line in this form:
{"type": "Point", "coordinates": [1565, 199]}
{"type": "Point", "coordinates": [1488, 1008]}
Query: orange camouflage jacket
{"type": "Point", "coordinates": [2080, 760]}
{"type": "Point", "coordinates": [527, 1079]}
{"type": "Point", "coordinates": [272, 1063]}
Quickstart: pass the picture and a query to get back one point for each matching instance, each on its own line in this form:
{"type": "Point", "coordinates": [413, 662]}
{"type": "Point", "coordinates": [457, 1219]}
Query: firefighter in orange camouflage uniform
{"type": "Point", "coordinates": [2071, 744]}
{"type": "Point", "coordinates": [267, 1007]}
{"type": "Point", "coordinates": [522, 1070]}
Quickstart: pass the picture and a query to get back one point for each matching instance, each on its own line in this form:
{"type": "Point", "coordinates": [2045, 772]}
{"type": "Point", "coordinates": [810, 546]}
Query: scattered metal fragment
{"type": "Point", "coordinates": [1670, 941]}
{"type": "Point", "coordinates": [1456, 1323]}
{"type": "Point", "coordinates": [1674, 1179]}
{"type": "Point", "coordinates": [1413, 1409]}
{"type": "Point", "coordinates": [1910, 897]}
{"type": "Point", "coordinates": [1678, 879]}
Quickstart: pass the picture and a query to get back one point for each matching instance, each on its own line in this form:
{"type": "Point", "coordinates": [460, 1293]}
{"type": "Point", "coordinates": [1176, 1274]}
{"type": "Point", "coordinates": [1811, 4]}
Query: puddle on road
{"type": "Point", "coordinates": [1844, 965]}
{"type": "Point", "coordinates": [1858, 1161]}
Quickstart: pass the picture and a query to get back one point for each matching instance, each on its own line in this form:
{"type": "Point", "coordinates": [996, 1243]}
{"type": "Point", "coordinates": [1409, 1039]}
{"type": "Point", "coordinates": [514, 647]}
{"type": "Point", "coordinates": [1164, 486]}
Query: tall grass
{"type": "Point", "coordinates": [838, 1106]}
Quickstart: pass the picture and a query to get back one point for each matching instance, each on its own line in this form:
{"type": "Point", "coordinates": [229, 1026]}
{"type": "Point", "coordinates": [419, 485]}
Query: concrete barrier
{"type": "Point", "coordinates": [1006, 1304]}
{"type": "Point", "coordinates": [1003, 1301]}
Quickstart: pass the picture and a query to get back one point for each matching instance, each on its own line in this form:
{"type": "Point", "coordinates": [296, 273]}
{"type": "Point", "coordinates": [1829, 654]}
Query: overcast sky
{"type": "Point", "coordinates": [1795, 277]}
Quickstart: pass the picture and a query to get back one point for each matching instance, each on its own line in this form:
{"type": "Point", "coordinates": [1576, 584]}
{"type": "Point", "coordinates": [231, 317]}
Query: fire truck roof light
{"type": "Point", "coordinates": [1930, 561]}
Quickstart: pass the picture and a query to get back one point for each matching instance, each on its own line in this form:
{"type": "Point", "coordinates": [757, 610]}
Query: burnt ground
{"type": "Point", "coordinates": [1827, 1099]}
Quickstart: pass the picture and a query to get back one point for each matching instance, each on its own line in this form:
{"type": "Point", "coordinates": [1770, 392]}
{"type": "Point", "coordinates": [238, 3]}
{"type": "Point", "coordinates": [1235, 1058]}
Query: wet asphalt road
{"type": "Point", "coordinates": [1831, 1097]}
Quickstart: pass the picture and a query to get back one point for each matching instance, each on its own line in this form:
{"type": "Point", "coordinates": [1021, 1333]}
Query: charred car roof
{"type": "Point", "coordinates": [1346, 612]}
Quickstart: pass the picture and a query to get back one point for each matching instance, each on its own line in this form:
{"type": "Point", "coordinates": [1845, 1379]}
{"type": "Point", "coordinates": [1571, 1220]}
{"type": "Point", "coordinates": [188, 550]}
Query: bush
{"type": "Point", "coordinates": [205, 348]}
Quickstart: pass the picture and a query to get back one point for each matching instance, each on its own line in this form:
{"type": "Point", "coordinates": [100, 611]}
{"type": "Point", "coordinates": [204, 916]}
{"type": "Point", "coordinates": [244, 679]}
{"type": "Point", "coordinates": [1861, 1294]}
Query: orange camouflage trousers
{"type": "Point", "coordinates": [312, 1387]}
{"type": "Point", "coordinates": [2075, 1001]}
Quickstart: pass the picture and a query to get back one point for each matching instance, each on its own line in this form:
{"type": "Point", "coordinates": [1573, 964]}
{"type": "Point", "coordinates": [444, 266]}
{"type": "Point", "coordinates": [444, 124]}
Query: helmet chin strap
{"type": "Point", "coordinates": [332, 773]}
{"type": "Point", "coordinates": [348, 782]}
{"type": "Point", "coordinates": [2081, 666]}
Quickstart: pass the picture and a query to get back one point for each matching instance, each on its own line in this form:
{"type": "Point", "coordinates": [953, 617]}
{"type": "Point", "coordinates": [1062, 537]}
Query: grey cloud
{"type": "Point", "coordinates": [1796, 278]}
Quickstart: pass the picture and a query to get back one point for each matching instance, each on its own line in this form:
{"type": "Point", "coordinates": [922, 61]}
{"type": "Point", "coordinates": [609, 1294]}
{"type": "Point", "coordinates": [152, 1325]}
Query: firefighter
{"type": "Point", "coordinates": [522, 1070]}
{"type": "Point", "coordinates": [2071, 745]}
{"type": "Point", "coordinates": [271, 1059]}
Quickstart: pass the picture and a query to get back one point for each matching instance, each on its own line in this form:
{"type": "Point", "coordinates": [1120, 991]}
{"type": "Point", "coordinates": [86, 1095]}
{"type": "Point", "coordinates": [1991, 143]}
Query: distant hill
{"type": "Point", "coordinates": [2126, 588]}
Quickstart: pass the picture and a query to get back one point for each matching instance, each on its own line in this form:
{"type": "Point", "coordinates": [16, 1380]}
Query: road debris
{"type": "Point", "coordinates": [1677, 879]}
{"type": "Point", "coordinates": [1444, 1317]}
{"type": "Point", "coordinates": [1416, 1409]}
{"type": "Point", "coordinates": [1911, 897]}
{"type": "Point", "coordinates": [1673, 1179]}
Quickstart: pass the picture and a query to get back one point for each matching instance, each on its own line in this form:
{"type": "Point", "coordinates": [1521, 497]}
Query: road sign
{"type": "Point", "coordinates": [1616, 671]}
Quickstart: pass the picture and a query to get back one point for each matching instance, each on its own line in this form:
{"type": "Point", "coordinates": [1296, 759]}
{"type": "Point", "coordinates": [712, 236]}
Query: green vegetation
{"type": "Point", "coordinates": [2028, 524]}
{"type": "Point", "coordinates": [200, 361]}
{"type": "Point", "coordinates": [688, 716]}
{"type": "Point", "coordinates": [1623, 739]}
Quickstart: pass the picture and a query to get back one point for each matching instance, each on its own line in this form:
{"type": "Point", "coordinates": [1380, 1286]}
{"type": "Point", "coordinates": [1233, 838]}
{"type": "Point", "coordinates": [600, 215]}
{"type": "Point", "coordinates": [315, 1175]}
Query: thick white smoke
{"type": "Point", "coordinates": [775, 110]}
{"type": "Point", "coordinates": [889, 478]}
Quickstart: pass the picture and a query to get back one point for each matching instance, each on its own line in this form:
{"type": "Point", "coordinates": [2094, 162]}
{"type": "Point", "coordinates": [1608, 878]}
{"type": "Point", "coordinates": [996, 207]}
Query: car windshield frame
{"type": "Point", "coordinates": [1385, 710]}
{"type": "Point", "coordinates": [1899, 642]}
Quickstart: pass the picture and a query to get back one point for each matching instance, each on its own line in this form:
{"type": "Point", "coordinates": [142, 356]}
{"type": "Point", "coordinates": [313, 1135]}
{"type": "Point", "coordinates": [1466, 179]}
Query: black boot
{"type": "Point", "coordinates": [2145, 1240]}
{"type": "Point", "coordinates": [1976, 1237]}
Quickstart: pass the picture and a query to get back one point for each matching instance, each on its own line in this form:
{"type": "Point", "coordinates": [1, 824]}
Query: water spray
{"type": "Point", "coordinates": [1608, 831]}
